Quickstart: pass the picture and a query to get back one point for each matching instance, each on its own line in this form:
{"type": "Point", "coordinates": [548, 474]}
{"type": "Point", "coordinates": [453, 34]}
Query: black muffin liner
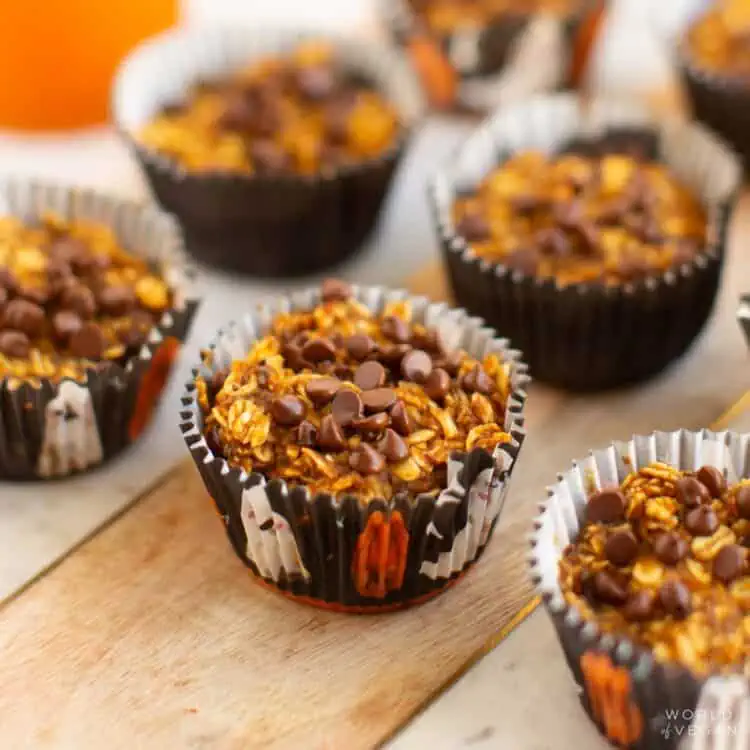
{"type": "Point", "coordinates": [265, 225]}
{"type": "Point", "coordinates": [587, 337]}
{"type": "Point", "coordinates": [50, 429]}
{"type": "Point", "coordinates": [480, 56]}
{"type": "Point", "coordinates": [671, 701]}
{"type": "Point", "coordinates": [311, 547]}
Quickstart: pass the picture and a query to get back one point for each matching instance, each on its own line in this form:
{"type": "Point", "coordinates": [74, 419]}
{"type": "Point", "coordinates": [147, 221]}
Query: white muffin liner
{"type": "Point", "coordinates": [647, 705]}
{"type": "Point", "coordinates": [309, 546]}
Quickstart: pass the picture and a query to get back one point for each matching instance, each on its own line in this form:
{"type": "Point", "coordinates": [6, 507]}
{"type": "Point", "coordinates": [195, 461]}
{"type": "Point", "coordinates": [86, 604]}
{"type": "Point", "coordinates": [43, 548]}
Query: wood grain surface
{"type": "Point", "coordinates": [153, 635]}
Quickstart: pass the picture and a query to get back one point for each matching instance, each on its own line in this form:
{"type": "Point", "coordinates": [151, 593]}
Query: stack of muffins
{"type": "Point", "coordinates": [358, 442]}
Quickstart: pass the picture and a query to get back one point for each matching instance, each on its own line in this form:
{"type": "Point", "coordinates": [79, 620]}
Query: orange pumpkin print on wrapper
{"type": "Point", "coordinates": [609, 692]}
{"type": "Point", "coordinates": [152, 385]}
{"type": "Point", "coordinates": [380, 556]}
{"type": "Point", "coordinates": [438, 77]}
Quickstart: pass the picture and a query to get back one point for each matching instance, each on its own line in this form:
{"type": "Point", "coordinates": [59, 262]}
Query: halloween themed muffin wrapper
{"type": "Point", "coordinates": [636, 701]}
{"type": "Point", "coordinates": [587, 337]}
{"type": "Point", "coordinates": [346, 553]}
{"type": "Point", "coordinates": [261, 224]}
{"type": "Point", "coordinates": [480, 69]}
{"type": "Point", "coordinates": [51, 428]}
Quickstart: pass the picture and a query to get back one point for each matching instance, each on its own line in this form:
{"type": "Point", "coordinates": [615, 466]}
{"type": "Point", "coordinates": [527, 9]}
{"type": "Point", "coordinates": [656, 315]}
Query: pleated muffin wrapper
{"type": "Point", "coordinates": [636, 701]}
{"type": "Point", "coordinates": [51, 428]}
{"type": "Point", "coordinates": [345, 553]}
{"type": "Point", "coordinates": [492, 66]}
{"type": "Point", "coordinates": [266, 225]}
{"type": "Point", "coordinates": [588, 337]}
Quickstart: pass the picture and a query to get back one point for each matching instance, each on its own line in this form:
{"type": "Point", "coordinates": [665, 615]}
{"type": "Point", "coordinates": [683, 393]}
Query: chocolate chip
{"type": "Point", "coordinates": [477, 381]}
{"type": "Point", "coordinates": [335, 290]}
{"type": "Point", "coordinates": [64, 324]}
{"type": "Point", "coordinates": [22, 315]}
{"type": "Point", "coordinates": [79, 299]}
{"type": "Point", "coordinates": [691, 493]}
{"type": "Point", "coordinates": [216, 383]}
{"type": "Point", "coordinates": [89, 263]}
{"type": "Point", "coordinates": [330, 436]}
{"type": "Point", "coordinates": [378, 399]}
{"type": "Point", "coordinates": [293, 358]}
{"type": "Point", "coordinates": [742, 498]}
{"type": "Point", "coordinates": [639, 606]}
{"type": "Point", "coordinates": [450, 362]}
{"type": "Point", "coordinates": [347, 406]}
{"type": "Point", "coordinates": [702, 521]}
{"type": "Point", "coordinates": [3, 296]}
{"type": "Point", "coordinates": [369, 375]}
{"type": "Point", "coordinates": [632, 267]}
{"type": "Point", "coordinates": [319, 350]}
{"type": "Point", "coordinates": [288, 411]}
{"type": "Point", "coordinates": [426, 339]}
{"type": "Point", "coordinates": [239, 112]}
{"type": "Point", "coordinates": [268, 157]}
{"type": "Point", "coordinates": [316, 82]}
{"type": "Point", "coordinates": [437, 385]}
{"type": "Point", "coordinates": [473, 227]}
{"type": "Point", "coordinates": [568, 215]}
{"type": "Point", "coordinates": [416, 366]}
{"type": "Point", "coordinates": [552, 241]}
{"type": "Point", "coordinates": [306, 434]}
{"type": "Point", "coordinates": [675, 598]}
{"type": "Point", "coordinates": [527, 204]}
{"type": "Point", "coordinates": [393, 446]}
{"type": "Point", "coordinates": [8, 280]}
{"type": "Point", "coordinates": [88, 342]}
{"type": "Point", "coordinates": [373, 423]}
{"type": "Point", "coordinates": [116, 300]}
{"type": "Point", "coordinates": [730, 563]}
{"type": "Point", "coordinates": [525, 260]}
{"type": "Point", "coordinates": [366, 460]}
{"type": "Point", "coordinates": [392, 354]}
{"type": "Point", "coordinates": [322, 390]}
{"type": "Point", "coordinates": [621, 547]}
{"type": "Point", "coordinates": [712, 479]}
{"type": "Point", "coordinates": [37, 295]}
{"type": "Point", "coordinates": [14, 344]}
{"type": "Point", "coordinates": [606, 506]}
{"type": "Point", "coordinates": [395, 329]}
{"type": "Point", "coordinates": [68, 249]}
{"type": "Point", "coordinates": [401, 420]}
{"type": "Point", "coordinates": [360, 346]}
{"type": "Point", "coordinates": [609, 589]}
{"type": "Point", "coordinates": [336, 121]}
{"type": "Point", "coordinates": [670, 548]}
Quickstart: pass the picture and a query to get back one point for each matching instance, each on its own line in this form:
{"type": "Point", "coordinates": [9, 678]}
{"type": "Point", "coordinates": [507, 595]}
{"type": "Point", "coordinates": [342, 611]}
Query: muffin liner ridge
{"type": "Point", "coordinates": [589, 337]}
{"type": "Point", "coordinates": [55, 428]}
{"type": "Point", "coordinates": [636, 701]}
{"type": "Point", "coordinates": [263, 224]}
{"type": "Point", "coordinates": [342, 553]}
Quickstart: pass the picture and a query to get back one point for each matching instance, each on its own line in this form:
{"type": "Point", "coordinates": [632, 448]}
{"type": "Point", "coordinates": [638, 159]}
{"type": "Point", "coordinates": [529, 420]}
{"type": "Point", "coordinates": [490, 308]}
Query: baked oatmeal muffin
{"type": "Point", "coordinates": [274, 151]}
{"type": "Point", "coordinates": [641, 555]}
{"type": "Point", "coordinates": [359, 450]}
{"type": "Point", "coordinates": [483, 54]}
{"type": "Point", "coordinates": [714, 60]}
{"type": "Point", "coordinates": [595, 241]}
{"type": "Point", "coordinates": [93, 307]}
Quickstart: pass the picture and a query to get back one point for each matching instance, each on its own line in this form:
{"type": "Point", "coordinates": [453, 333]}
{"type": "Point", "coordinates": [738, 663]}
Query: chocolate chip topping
{"type": "Point", "coordinates": [346, 406]}
{"type": "Point", "coordinates": [373, 423]}
{"type": "Point", "coordinates": [691, 493]}
{"type": "Point", "coordinates": [713, 480]}
{"type": "Point", "coordinates": [319, 350]}
{"type": "Point", "coordinates": [621, 547]}
{"type": "Point", "coordinates": [22, 315]}
{"type": "Point", "coordinates": [395, 329]}
{"type": "Point", "coordinates": [360, 346]}
{"type": "Point", "coordinates": [609, 589]}
{"type": "Point", "coordinates": [330, 436]}
{"type": "Point", "coordinates": [639, 606]}
{"type": "Point", "coordinates": [14, 344]}
{"type": "Point", "coordinates": [477, 381]}
{"type": "Point", "coordinates": [702, 521]}
{"type": "Point", "coordinates": [437, 384]}
{"type": "Point", "coordinates": [401, 420]}
{"type": "Point", "coordinates": [335, 290]}
{"type": "Point", "coordinates": [288, 411]}
{"type": "Point", "coordinates": [606, 506]}
{"type": "Point", "coordinates": [322, 390]}
{"type": "Point", "coordinates": [730, 563]}
{"type": "Point", "coordinates": [416, 366]}
{"type": "Point", "coordinates": [306, 435]}
{"type": "Point", "coordinates": [369, 375]}
{"type": "Point", "coordinates": [79, 299]}
{"type": "Point", "coordinates": [366, 460]}
{"type": "Point", "coordinates": [474, 227]}
{"type": "Point", "coordinates": [117, 300]}
{"type": "Point", "coordinates": [675, 598]}
{"type": "Point", "coordinates": [64, 324]}
{"type": "Point", "coordinates": [742, 498]}
{"type": "Point", "coordinates": [88, 342]}
{"type": "Point", "coordinates": [378, 399]}
{"type": "Point", "coordinates": [393, 446]}
{"type": "Point", "coordinates": [316, 83]}
{"type": "Point", "coordinates": [670, 547]}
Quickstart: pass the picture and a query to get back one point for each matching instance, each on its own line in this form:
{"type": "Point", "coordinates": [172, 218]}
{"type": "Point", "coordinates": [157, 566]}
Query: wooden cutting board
{"type": "Point", "coordinates": [153, 635]}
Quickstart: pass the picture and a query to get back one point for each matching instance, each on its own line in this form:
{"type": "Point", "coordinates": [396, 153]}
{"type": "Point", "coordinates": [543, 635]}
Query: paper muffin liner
{"type": "Point", "coordinates": [495, 65]}
{"type": "Point", "coordinates": [346, 553]}
{"type": "Point", "coordinates": [588, 337]}
{"type": "Point", "coordinates": [636, 701]}
{"type": "Point", "coordinates": [266, 225]}
{"type": "Point", "coordinates": [52, 428]}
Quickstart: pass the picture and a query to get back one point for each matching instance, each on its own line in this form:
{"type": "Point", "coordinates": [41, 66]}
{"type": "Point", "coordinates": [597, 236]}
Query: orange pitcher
{"type": "Point", "coordinates": [57, 57]}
